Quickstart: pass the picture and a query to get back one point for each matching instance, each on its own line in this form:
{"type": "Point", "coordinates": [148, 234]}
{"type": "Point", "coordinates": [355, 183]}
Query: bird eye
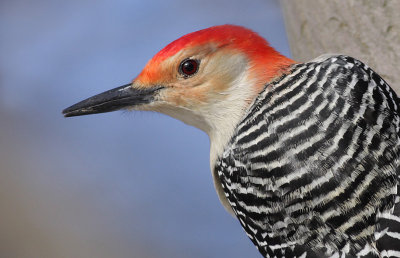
{"type": "Point", "coordinates": [188, 67]}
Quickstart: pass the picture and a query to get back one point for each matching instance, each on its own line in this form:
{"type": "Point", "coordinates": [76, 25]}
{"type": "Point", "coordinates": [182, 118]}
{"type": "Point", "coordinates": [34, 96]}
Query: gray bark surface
{"type": "Point", "coordinates": [366, 30]}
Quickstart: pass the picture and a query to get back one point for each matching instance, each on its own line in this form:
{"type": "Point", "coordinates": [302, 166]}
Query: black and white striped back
{"type": "Point", "coordinates": [312, 169]}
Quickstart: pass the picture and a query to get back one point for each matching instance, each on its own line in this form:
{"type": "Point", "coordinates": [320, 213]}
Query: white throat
{"type": "Point", "coordinates": [219, 121]}
{"type": "Point", "coordinates": [224, 116]}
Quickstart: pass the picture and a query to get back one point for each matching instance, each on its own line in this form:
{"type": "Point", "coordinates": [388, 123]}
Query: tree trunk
{"type": "Point", "coordinates": [366, 30]}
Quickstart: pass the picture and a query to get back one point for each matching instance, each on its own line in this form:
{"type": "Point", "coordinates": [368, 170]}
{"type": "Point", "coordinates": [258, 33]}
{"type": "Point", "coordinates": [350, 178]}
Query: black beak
{"type": "Point", "coordinates": [115, 99]}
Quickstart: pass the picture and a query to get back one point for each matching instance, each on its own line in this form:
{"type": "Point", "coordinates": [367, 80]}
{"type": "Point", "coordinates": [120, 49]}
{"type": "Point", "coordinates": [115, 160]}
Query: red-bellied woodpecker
{"type": "Point", "coordinates": [305, 155]}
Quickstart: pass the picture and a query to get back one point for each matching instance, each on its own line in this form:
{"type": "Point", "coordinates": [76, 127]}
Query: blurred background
{"type": "Point", "coordinates": [118, 184]}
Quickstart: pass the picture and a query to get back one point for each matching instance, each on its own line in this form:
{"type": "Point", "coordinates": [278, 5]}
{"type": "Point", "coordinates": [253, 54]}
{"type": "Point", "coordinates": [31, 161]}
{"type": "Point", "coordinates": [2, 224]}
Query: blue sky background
{"type": "Point", "coordinates": [118, 184]}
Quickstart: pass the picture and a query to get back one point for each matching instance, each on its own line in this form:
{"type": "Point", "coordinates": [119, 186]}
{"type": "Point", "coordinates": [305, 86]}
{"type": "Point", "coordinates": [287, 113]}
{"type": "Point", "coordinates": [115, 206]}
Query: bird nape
{"type": "Point", "coordinates": [304, 155]}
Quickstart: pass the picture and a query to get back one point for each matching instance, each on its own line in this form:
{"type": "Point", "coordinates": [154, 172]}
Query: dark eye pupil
{"type": "Point", "coordinates": [189, 67]}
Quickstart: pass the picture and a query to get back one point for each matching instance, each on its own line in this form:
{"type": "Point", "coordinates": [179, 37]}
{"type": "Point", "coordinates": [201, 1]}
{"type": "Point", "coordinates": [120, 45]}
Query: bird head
{"type": "Point", "coordinates": [203, 78]}
{"type": "Point", "coordinates": [208, 79]}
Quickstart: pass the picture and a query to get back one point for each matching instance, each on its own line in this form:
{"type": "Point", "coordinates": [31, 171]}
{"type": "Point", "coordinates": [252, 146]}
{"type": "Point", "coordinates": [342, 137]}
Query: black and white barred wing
{"type": "Point", "coordinates": [312, 169]}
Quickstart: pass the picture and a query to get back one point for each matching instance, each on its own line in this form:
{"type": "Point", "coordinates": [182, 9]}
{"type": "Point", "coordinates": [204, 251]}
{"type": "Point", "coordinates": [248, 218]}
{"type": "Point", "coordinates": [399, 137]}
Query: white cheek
{"type": "Point", "coordinates": [224, 64]}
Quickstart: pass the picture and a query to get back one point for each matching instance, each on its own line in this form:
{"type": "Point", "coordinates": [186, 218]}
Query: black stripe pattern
{"type": "Point", "coordinates": [313, 167]}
